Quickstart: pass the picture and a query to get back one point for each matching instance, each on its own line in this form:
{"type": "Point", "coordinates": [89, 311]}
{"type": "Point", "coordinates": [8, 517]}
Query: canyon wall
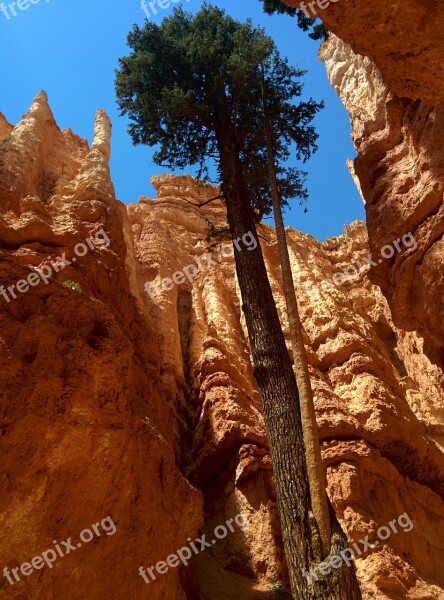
{"type": "Point", "coordinates": [403, 39]}
{"type": "Point", "coordinates": [143, 407]}
{"type": "Point", "coordinates": [86, 430]}
{"type": "Point", "coordinates": [376, 392]}
{"type": "Point", "coordinates": [121, 398]}
{"type": "Point", "coordinates": [399, 167]}
{"type": "Point", "coordinates": [387, 69]}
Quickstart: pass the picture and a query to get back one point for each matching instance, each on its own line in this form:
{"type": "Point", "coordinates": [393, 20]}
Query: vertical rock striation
{"type": "Point", "coordinates": [403, 39]}
{"type": "Point", "coordinates": [375, 393]}
{"type": "Point", "coordinates": [400, 169]}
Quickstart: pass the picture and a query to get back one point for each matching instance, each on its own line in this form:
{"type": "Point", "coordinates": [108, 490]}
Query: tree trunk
{"type": "Point", "coordinates": [316, 475]}
{"type": "Point", "coordinates": [279, 394]}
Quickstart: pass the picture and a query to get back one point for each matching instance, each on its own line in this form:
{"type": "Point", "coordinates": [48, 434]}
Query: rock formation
{"type": "Point", "coordinates": [387, 69]}
{"type": "Point", "coordinates": [373, 386]}
{"type": "Point", "coordinates": [399, 168]}
{"type": "Point", "coordinates": [143, 406]}
{"type": "Point", "coordinates": [126, 398]}
{"type": "Point", "coordinates": [85, 425]}
{"type": "Point", "coordinates": [403, 39]}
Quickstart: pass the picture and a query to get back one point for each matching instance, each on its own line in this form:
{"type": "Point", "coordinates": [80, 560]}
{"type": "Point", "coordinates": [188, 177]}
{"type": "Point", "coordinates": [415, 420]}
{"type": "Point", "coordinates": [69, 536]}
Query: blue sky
{"type": "Point", "coordinates": [70, 49]}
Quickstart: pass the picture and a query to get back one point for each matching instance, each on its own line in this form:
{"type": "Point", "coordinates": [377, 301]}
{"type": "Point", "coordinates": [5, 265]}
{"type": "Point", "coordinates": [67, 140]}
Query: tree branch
{"type": "Point", "coordinates": [203, 203]}
{"type": "Point", "coordinates": [262, 237]}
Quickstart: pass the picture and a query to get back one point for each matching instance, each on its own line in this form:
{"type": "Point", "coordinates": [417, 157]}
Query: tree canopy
{"type": "Point", "coordinates": [318, 31]}
{"type": "Point", "coordinates": [170, 83]}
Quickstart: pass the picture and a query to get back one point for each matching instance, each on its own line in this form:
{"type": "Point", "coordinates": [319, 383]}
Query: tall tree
{"type": "Point", "coordinates": [186, 87]}
{"type": "Point", "coordinates": [316, 476]}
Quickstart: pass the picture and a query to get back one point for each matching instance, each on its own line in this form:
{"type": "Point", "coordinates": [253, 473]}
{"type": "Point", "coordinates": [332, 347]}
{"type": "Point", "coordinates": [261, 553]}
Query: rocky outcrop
{"type": "Point", "coordinates": [387, 69]}
{"type": "Point", "coordinates": [399, 167]}
{"type": "Point", "coordinates": [84, 420]}
{"type": "Point", "coordinates": [127, 390]}
{"type": "Point", "coordinates": [372, 383]}
{"type": "Point", "coordinates": [403, 39]}
{"type": "Point", "coordinates": [5, 127]}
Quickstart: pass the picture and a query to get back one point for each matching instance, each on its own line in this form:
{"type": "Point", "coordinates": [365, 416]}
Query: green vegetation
{"type": "Point", "coordinates": [318, 31]}
{"type": "Point", "coordinates": [72, 285]}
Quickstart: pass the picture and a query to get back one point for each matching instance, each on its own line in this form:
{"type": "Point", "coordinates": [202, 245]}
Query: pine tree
{"type": "Point", "coordinates": [318, 31]}
{"type": "Point", "coordinates": [190, 87]}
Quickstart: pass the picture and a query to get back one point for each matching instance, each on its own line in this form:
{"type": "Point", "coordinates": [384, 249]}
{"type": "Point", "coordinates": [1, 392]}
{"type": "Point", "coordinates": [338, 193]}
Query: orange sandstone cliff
{"type": "Point", "coordinates": [386, 65]}
{"type": "Point", "coordinates": [145, 408]}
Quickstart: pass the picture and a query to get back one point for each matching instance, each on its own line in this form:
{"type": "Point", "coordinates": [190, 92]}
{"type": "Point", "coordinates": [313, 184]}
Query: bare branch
{"type": "Point", "coordinates": [203, 203]}
{"type": "Point", "coordinates": [263, 238]}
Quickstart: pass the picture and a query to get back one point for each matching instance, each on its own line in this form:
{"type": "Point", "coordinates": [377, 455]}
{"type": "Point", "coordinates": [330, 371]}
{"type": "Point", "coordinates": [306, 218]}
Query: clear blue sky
{"type": "Point", "coordinates": [70, 49]}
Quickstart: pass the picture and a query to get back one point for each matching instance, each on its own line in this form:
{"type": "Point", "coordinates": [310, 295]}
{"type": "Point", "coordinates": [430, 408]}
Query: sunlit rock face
{"type": "Point", "coordinates": [400, 168]}
{"type": "Point", "coordinates": [378, 397]}
{"type": "Point", "coordinates": [387, 67]}
{"type": "Point", "coordinates": [86, 431]}
{"type": "Point", "coordinates": [404, 39]}
{"type": "Point", "coordinates": [134, 398]}
{"type": "Point", "coordinates": [5, 127]}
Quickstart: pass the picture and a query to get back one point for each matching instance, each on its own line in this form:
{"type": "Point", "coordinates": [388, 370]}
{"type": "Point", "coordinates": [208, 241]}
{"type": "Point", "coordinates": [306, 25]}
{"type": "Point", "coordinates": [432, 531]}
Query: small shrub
{"type": "Point", "coordinates": [72, 285]}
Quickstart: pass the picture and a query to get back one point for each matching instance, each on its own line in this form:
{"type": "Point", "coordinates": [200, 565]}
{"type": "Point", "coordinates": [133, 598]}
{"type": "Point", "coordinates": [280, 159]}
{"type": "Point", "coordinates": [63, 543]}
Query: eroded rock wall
{"type": "Point", "coordinates": [387, 67]}
{"type": "Point", "coordinates": [403, 38]}
{"type": "Point", "coordinates": [85, 426]}
{"type": "Point", "coordinates": [124, 399]}
{"type": "Point", "coordinates": [400, 168]}
{"type": "Point", "coordinates": [375, 392]}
